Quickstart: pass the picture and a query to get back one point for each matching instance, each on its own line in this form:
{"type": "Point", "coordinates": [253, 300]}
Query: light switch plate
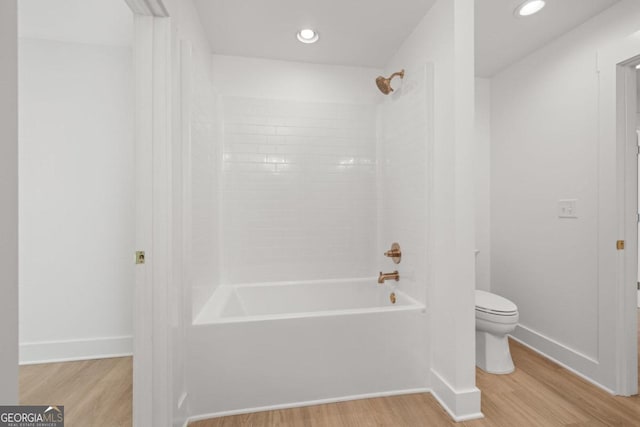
{"type": "Point", "coordinates": [568, 208]}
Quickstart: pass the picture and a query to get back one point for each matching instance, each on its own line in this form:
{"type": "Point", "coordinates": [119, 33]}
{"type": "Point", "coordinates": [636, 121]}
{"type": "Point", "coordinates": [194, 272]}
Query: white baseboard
{"type": "Point", "coordinates": [201, 417]}
{"type": "Point", "coordinates": [462, 405]}
{"type": "Point", "coordinates": [571, 360]}
{"type": "Point", "coordinates": [66, 351]}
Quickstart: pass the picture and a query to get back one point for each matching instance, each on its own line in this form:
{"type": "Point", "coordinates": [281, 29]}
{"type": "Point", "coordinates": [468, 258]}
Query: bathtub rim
{"type": "Point", "coordinates": [413, 304]}
{"type": "Point", "coordinates": [373, 280]}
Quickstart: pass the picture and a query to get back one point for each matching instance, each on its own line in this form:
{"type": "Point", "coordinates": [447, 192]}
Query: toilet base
{"type": "Point", "coordinates": [492, 353]}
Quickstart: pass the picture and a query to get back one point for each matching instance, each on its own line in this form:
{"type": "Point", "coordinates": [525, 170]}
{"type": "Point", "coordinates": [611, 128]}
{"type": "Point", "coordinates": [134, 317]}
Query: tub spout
{"type": "Point", "coordinates": [388, 276]}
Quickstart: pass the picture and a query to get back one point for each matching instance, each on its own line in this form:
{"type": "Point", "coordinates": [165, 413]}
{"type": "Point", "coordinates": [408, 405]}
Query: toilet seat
{"type": "Point", "coordinates": [494, 308]}
{"type": "Point", "coordinates": [510, 319]}
{"type": "Point", "coordinates": [493, 304]}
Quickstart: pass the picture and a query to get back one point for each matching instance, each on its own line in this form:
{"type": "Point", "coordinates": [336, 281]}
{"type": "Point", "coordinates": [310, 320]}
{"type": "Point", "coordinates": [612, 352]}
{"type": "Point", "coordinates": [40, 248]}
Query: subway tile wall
{"type": "Point", "coordinates": [298, 190]}
{"type": "Point", "coordinates": [405, 180]}
{"type": "Point", "coordinates": [204, 154]}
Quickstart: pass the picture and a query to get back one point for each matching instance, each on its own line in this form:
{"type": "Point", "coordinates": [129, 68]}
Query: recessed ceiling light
{"type": "Point", "coordinates": [530, 7]}
{"type": "Point", "coordinates": [308, 35]}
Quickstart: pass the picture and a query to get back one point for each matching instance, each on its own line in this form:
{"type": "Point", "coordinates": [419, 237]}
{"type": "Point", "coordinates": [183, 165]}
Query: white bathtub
{"type": "Point", "coordinates": [287, 300]}
{"type": "Point", "coordinates": [265, 346]}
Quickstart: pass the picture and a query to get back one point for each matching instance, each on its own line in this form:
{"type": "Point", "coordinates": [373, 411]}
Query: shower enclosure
{"type": "Point", "coordinates": [311, 184]}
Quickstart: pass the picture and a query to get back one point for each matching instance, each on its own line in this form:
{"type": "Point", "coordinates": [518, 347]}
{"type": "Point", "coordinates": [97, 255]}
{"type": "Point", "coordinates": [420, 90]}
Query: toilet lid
{"type": "Point", "coordinates": [492, 303]}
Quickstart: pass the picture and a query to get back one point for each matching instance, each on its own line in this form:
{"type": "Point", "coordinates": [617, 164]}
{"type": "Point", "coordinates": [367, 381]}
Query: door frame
{"type": "Point", "coordinates": [151, 340]}
{"type": "Point", "coordinates": [153, 118]}
{"type": "Point", "coordinates": [617, 212]}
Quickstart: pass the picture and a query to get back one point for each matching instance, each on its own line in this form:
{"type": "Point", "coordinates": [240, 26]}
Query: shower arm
{"type": "Point", "coordinates": [397, 74]}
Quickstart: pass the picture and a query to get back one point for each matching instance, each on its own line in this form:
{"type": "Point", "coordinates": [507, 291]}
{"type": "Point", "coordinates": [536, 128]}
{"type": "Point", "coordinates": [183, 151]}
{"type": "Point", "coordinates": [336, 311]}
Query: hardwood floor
{"type": "Point", "coordinates": [95, 393]}
{"type": "Point", "coordinates": [538, 393]}
{"type": "Point", "coordinates": [99, 392]}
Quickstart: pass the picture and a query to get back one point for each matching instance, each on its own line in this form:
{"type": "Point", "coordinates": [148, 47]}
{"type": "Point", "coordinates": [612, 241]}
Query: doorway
{"type": "Point", "coordinates": [77, 206]}
{"type": "Point", "coordinates": [624, 59]}
{"type": "Point", "coordinates": [153, 88]}
{"type": "Point", "coordinates": [618, 212]}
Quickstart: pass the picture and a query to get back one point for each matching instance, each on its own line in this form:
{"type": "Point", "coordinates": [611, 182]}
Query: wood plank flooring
{"type": "Point", "coordinates": [95, 393]}
{"type": "Point", "coordinates": [98, 393]}
{"type": "Point", "coordinates": [539, 393]}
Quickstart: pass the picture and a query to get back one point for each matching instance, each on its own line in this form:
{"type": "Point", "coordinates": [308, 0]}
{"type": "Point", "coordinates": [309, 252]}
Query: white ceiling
{"type": "Point", "coordinates": [502, 39]}
{"type": "Point", "coordinates": [352, 32]}
{"type": "Point", "coordinates": [101, 22]}
{"type": "Point", "coordinates": [368, 32]}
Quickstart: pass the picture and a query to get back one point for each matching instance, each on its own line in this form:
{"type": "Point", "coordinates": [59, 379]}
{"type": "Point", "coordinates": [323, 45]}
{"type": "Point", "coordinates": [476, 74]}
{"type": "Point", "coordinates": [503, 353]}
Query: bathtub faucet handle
{"type": "Point", "coordinates": [388, 276]}
{"type": "Point", "coordinates": [394, 253]}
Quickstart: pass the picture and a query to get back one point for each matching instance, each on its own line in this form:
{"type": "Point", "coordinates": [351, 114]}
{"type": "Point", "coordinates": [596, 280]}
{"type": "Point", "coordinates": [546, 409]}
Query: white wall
{"type": "Point", "coordinates": [192, 280]}
{"type": "Point", "coordinates": [298, 185]}
{"type": "Point", "coordinates": [96, 22]}
{"type": "Point", "coordinates": [482, 166]}
{"type": "Point", "coordinates": [544, 147]}
{"type": "Point", "coordinates": [298, 190]}
{"type": "Point", "coordinates": [405, 178]}
{"type": "Point", "coordinates": [186, 22]}
{"type": "Point", "coordinates": [445, 38]}
{"type": "Point", "coordinates": [9, 202]}
{"type": "Point", "coordinates": [195, 271]}
{"type": "Point", "coordinates": [295, 81]}
{"type": "Point", "coordinates": [204, 170]}
{"type": "Point", "coordinates": [76, 200]}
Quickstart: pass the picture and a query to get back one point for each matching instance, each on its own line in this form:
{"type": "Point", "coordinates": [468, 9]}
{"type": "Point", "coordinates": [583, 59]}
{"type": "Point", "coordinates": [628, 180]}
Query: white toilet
{"type": "Point", "coordinates": [495, 318]}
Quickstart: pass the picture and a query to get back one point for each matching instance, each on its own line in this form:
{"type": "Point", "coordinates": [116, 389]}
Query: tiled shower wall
{"type": "Point", "coordinates": [405, 179]}
{"type": "Point", "coordinates": [298, 190]}
{"type": "Point", "coordinates": [204, 167]}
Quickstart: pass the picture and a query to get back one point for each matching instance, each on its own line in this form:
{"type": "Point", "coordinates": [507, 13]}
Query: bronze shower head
{"type": "Point", "coordinates": [384, 84]}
